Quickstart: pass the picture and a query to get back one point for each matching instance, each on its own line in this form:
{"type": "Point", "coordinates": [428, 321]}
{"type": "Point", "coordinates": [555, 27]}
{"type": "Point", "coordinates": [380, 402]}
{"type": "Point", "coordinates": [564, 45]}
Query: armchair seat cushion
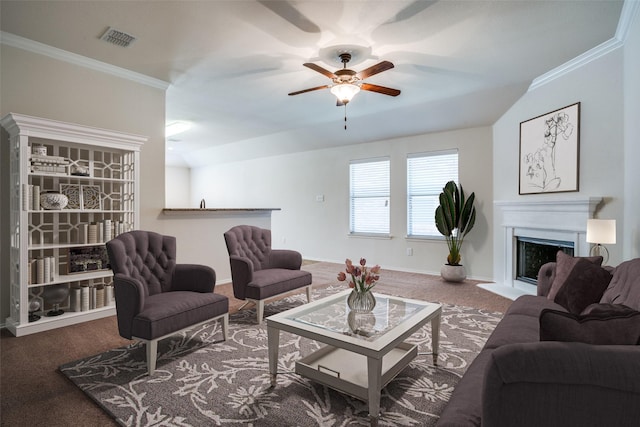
{"type": "Point", "coordinates": [274, 281]}
{"type": "Point", "coordinates": [167, 312]}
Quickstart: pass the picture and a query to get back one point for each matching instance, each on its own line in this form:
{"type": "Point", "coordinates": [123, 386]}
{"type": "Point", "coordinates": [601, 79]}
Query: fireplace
{"type": "Point", "coordinates": [521, 224]}
{"type": "Point", "coordinates": [533, 253]}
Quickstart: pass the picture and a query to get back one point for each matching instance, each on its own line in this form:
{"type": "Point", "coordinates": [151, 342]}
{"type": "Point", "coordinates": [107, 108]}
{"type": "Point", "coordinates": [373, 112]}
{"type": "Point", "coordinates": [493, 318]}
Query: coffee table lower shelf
{"type": "Point", "coordinates": [347, 372]}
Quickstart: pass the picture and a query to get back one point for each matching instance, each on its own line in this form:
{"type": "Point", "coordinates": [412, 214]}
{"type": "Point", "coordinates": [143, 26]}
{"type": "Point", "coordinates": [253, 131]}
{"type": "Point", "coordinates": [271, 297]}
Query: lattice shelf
{"type": "Point", "coordinates": [61, 251]}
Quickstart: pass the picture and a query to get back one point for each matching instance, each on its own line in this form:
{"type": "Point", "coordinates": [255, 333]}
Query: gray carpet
{"type": "Point", "coordinates": [202, 381]}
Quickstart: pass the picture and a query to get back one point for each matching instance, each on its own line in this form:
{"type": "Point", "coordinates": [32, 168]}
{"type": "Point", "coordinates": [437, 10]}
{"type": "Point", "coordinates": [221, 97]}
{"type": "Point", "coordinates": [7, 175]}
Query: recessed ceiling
{"type": "Point", "coordinates": [230, 64]}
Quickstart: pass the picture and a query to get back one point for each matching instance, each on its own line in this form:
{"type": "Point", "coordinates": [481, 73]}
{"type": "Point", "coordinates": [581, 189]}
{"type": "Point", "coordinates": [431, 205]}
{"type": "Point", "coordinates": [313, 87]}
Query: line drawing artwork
{"type": "Point", "coordinates": [549, 152]}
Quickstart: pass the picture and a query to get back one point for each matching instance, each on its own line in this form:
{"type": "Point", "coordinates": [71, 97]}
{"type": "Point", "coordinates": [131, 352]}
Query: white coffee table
{"type": "Point", "coordinates": [364, 352]}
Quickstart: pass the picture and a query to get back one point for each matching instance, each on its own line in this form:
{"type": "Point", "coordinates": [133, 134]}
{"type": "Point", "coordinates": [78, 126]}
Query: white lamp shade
{"type": "Point", "coordinates": [345, 91]}
{"type": "Point", "coordinates": [601, 231]}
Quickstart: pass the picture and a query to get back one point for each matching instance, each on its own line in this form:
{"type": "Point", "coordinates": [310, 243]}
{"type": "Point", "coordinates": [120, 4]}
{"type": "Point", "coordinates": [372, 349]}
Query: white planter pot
{"type": "Point", "coordinates": [453, 273]}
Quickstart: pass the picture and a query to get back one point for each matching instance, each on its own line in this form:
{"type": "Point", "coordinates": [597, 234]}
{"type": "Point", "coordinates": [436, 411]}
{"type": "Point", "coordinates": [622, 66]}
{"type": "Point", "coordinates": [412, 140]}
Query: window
{"type": "Point", "coordinates": [369, 196]}
{"type": "Point", "coordinates": [427, 174]}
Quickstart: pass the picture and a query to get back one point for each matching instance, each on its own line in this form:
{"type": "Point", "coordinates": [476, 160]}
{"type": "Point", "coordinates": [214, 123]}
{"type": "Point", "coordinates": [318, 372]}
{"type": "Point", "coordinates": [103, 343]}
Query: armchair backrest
{"type": "Point", "coordinates": [250, 242]}
{"type": "Point", "coordinates": [145, 256]}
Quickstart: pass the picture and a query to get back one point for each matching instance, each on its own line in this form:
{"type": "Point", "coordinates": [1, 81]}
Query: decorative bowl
{"type": "Point", "coordinates": [53, 200]}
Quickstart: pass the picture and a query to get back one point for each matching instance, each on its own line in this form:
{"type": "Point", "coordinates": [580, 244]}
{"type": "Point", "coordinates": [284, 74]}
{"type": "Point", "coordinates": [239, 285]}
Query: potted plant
{"type": "Point", "coordinates": [455, 217]}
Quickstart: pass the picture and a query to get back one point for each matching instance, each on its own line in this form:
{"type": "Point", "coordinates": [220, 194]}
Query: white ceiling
{"type": "Point", "coordinates": [231, 64]}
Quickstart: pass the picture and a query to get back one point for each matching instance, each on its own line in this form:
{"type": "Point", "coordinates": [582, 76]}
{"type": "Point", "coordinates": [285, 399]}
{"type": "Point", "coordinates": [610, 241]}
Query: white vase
{"type": "Point", "coordinates": [453, 273]}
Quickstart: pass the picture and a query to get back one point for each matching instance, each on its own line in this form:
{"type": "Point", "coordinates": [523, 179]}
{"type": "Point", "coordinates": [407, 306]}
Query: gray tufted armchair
{"type": "Point", "coordinates": [259, 272]}
{"type": "Point", "coordinates": [155, 297]}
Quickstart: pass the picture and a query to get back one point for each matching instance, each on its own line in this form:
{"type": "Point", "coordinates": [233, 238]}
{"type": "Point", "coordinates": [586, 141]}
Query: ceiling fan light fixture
{"type": "Point", "coordinates": [345, 91]}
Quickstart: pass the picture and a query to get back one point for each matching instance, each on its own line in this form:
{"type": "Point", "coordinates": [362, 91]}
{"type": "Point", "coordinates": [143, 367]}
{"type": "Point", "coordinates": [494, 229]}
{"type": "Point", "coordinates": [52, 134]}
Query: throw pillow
{"type": "Point", "coordinates": [600, 307]}
{"type": "Point", "coordinates": [619, 327]}
{"type": "Point", "coordinates": [564, 265]}
{"type": "Point", "coordinates": [584, 286]}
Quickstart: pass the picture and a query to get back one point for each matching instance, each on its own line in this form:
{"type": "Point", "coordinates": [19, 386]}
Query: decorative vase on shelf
{"type": "Point", "coordinates": [361, 302]}
{"type": "Point", "coordinates": [55, 295]}
{"type": "Point", "coordinates": [52, 200]}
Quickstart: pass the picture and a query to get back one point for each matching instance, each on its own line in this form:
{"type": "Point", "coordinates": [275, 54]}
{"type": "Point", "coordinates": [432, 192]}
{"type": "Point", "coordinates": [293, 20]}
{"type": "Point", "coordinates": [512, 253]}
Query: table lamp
{"type": "Point", "coordinates": [599, 232]}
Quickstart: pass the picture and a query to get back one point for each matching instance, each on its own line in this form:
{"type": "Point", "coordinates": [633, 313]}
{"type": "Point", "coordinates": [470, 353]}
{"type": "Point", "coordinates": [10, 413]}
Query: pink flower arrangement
{"type": "Point", "coordinates": [362, 278]}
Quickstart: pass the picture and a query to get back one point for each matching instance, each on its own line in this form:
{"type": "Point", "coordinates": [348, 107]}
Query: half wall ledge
{"type": "Point", "coordinates": [219, 212]}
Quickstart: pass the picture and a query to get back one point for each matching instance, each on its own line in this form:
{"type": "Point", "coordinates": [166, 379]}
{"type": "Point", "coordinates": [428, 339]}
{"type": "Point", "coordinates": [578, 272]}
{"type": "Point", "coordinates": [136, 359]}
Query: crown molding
{"type": "Point", "coordinates": [627, 15]}
{"type": "Point", "coordinates": [82, 61]}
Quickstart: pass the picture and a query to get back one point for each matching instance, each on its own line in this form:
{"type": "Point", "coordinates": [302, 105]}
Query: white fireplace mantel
{"type": "Point", "coordinates": [554, 219]}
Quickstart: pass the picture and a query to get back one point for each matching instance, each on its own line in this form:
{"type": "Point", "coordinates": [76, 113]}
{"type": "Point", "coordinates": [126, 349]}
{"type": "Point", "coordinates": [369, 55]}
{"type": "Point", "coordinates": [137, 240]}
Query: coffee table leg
{"type": "Point", "coordinates": [273, 338]}
{"type": "Point", "coordinates": [374, 367]}
{"type": "Point", "coordinates": [435, 337]}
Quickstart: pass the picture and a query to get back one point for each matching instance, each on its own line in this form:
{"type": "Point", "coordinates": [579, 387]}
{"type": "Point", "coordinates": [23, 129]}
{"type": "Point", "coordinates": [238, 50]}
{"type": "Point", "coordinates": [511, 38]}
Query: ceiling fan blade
{"type": "Point", "coordinates": [308, 90]}
{"type": "Point", "coordinates": [375, 69]}
{"type": "Point", "coordinates": [320, 70]}
{"type": "Point", "coordinates": [289, 13]}
{"type": "Point", "coordinates": [380, 89]}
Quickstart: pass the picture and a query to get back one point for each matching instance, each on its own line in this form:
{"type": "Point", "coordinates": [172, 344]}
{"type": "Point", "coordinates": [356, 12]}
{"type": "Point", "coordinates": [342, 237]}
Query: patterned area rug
{"type": "Point", "coordinates": [203, 381]}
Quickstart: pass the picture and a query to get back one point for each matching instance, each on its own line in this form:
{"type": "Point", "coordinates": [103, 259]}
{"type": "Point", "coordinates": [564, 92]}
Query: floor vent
{"type": "Point", "coordinates": [118, 38]}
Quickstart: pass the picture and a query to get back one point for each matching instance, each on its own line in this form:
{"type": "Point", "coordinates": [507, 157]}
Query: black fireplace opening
{"type": "Point", "coordinates": [532, 253]}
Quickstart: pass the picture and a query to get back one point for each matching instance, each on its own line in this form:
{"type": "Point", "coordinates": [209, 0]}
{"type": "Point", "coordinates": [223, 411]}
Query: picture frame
{"type": "Point", "coordinates": [91, 197]}
{"type": "Point", "coordinates": [72, 191]}
{"type": "Point", "coordinates": [549, 155]}
{"type": "Point", "coordinates": [84, 259]}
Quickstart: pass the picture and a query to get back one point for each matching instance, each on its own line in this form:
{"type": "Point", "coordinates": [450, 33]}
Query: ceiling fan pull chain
{"type": "Point", "coordinates": [345, 116]}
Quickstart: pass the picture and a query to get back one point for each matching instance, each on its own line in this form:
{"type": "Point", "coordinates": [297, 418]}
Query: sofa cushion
{"type": "Point", "coordinates": [584, 285]}
{"type": "Point", "coordinates": [531, 305]}
{"type": "Point", "coordinates": [514, 328]}
{"type": "Point", "coordinates": [275, 281]}
{"type": "Point", "coordinates": [564, 266]}
{"type": "Point", "coordinates": [168, 312]}
{"type": "Point", "coordinates": [617, 327]}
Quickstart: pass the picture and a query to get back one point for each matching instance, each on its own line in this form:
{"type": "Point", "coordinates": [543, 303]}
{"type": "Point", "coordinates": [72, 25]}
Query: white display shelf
{"type": "Point", "coordinates": [75, 277]}
{"type": "Point", "coordinates": [45, 246]}
{"type": "Point", "coordinates": [112, 160]}
{"type": "Point", "coordinates": [79, 177]}
{"type": "Point", "coordinates": [46, 323]}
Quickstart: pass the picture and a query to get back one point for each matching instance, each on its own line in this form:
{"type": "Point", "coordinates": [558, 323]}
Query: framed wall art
{"type": "Point", "coordinates": [72, 191]}
{"type": "Point", "coordinates": [91, 197]}
{"type": "Point", "coordinates": [550, 152]}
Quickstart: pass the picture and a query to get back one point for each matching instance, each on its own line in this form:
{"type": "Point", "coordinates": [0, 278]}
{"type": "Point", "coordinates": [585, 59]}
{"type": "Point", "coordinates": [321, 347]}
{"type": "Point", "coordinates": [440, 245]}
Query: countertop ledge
{"type": "Point", "coordinates": [169, 211]}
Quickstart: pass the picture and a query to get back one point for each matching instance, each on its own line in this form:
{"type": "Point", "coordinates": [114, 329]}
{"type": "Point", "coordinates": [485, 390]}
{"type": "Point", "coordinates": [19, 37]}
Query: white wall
{"type": "Point", "coordinates": [631, 243]}
{"type": "Point", "coordinates": [178, 188]}
{"type": "Point", "coordinates": [320, 229]}
{"type": "Point", "coordinates": [598, 85]}
{"type": "Point", "coordinates": [40, 86]}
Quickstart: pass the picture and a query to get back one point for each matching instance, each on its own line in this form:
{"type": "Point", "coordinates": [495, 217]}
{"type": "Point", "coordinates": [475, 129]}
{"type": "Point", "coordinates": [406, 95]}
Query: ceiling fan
{"type": "Point", "coordinates": [346, 82]}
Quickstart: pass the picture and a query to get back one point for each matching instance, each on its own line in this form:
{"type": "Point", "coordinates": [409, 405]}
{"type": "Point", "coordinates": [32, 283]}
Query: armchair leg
{"type": "Point", "coordinates": [260, 310]}
{"type": "Point", "coordinates": [152, 356]}
{"type": "Point", "coordinates": [309, 293]}
{"type": "Point", "coordinates": [225, 326]}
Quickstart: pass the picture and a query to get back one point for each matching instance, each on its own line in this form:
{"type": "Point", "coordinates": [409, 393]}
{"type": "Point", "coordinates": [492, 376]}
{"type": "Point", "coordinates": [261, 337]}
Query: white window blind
{"type": "Point", "coordinates": [369, 196]}
{"type": "Point", "coordinates": [427, 174]}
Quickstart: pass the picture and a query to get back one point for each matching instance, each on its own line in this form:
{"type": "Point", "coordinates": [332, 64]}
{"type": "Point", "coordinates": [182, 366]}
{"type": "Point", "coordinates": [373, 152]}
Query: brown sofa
{"type": "Point", "coordinates": [519, 380]}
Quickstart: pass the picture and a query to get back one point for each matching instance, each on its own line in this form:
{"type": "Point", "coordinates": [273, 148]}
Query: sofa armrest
{"type": "Point", "coordinates": [130, 296]}
{"type": "Point", "coordinates": [193, 277]}
{"type": "Point", "coordinates": [546, 274]}
{"type": "Point", "coordinates": [285, 258]}
{"type": "Point", "coordinates": [557, 383]}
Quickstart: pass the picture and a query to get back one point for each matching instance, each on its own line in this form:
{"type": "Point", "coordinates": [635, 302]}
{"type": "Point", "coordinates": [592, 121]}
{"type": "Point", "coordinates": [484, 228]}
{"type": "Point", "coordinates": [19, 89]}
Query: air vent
{"type": "Point", "coordinates": [118, 38]}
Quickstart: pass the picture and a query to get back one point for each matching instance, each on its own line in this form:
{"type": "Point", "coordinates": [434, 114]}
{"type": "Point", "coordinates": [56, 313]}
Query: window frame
{"type": "Point", "coordinates": [411, 194]}
{"type": "Point", "coordinates": [352, 197]}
